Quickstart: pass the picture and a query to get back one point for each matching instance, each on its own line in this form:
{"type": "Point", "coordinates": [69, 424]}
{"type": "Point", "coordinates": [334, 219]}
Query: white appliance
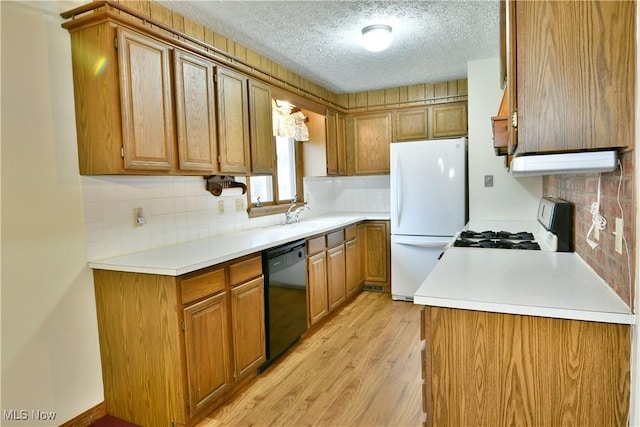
{"type": "Point", "coordinates": [428, 207]}
{"type": "Point", "coordinates": [553, 164]}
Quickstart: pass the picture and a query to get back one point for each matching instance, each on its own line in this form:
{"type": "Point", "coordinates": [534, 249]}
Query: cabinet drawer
{"type": "Point", "coordinates": [335, 238]}
{"type": "Point", "coordinates": [350, 232]}
{"type": "Point", "coordinates": [243, 271]}
{"type": "Point", "coordinates": [315, 245]}
{"type": "Point", "coordinates": [202, 284]}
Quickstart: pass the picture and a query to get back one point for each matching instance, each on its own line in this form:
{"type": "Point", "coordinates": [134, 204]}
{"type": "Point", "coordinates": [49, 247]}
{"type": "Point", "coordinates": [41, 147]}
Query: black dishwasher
{"type": "Point", "coordinates": [285, 272]}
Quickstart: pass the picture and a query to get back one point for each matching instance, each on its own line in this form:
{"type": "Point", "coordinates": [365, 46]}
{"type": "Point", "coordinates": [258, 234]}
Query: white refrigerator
{"type": "Point", "coordinates": [428, 207]}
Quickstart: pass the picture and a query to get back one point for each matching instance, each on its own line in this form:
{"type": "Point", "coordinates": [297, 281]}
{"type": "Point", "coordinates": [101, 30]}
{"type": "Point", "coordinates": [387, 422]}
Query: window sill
{"type": "Point", "coordinates": [256, 212]}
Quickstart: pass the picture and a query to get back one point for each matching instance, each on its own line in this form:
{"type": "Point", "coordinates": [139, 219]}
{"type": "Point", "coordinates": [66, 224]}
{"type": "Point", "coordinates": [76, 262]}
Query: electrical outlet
{"type": "Point", "coordinates": [239, 205]}
{"type": "Point", "coordinates": [221, 207]}
{"type": "Point", "coordinates": [139, 218]}
{"type": "Point", "coordinates": [488, 180]}
{"type": "Point", "coordinates": [619, 233]}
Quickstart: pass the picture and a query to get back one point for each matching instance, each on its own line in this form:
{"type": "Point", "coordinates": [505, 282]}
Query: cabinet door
{"type": "Point", "coordinates": [336, 276]}
{"type": "Point", "coordinates": [372, 138]}
{"type": "Point", "coordinates": [233, 122]}
{"type": "Point", "coordinates": [317, 287]}
{"type": "Point", "coordinates": [449, 120]}
{"type": "Point", "coordinates": [145, 98]}
{"type": "Point", "coordinates": [341, 143]}
{"type": "Point", "coordinates": [261, 124]}
{"type": "Point", "coordinates": [412, 124]}
{"type": "Point", "coordinates": [362, 252]}
{"type": "Point", "coordinates": [332, 143]}
{"type": "Point", "coordinates": [352, 261]}
{"type": "Point", "coordinates": [377, 253]}
{"type": "Point", "coordinates": [247, 314]}
{"type": "Point", "coordinates": [195, 113]}
{"type": "Point", "coordinates": [208, 351]}
{"type": "Point", "coordinates": [573, 94]}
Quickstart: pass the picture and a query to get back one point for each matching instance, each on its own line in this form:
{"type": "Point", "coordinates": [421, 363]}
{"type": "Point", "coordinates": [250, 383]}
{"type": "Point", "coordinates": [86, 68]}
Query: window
{"type": "Point", "coordinates": [271, 194]}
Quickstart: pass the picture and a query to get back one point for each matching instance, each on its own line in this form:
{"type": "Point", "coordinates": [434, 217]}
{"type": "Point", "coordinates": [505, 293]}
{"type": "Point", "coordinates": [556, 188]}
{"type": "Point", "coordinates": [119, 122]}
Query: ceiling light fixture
{"type": "Point", "coordinates": [376, 37]}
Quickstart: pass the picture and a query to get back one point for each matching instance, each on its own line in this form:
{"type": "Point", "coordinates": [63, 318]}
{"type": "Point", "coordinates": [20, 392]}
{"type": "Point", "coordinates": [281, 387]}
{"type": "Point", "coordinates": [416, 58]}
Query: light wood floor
{"type": "Point", "coordinates": [361, 368]}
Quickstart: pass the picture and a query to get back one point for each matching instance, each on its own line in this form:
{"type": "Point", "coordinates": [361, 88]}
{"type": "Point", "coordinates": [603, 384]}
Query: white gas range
{"type": "Point", "coordinates": [551, 232]}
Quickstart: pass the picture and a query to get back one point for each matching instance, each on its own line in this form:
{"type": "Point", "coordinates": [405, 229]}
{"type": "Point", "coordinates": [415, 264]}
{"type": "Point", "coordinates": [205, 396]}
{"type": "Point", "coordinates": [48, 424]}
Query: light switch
{"type": "Point", "coordinates": [488, 180]}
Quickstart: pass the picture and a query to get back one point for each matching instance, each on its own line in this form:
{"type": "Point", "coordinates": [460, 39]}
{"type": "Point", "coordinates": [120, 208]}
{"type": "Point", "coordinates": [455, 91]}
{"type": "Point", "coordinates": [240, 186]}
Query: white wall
{"type": "Point", "coordinates": [509, 197]}
{"type": "Point", "coordinates": [50, 353]}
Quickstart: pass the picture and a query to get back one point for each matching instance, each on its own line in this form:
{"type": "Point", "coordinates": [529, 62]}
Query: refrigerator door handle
{"type": "Point", "coordinates": [398, 191]}
{"type": "Point", "coordinates": [412, 241]}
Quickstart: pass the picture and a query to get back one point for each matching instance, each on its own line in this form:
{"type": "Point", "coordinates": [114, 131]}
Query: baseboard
{"type": "Point", "coordinates": [88, 417]}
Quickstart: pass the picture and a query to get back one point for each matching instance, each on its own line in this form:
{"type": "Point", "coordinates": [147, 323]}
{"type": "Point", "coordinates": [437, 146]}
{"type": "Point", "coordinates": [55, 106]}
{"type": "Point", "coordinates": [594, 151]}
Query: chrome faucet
{"type": "Point", "coordinates": [288, 215]}
{"type": "Point", "coordinates": [295, 215]}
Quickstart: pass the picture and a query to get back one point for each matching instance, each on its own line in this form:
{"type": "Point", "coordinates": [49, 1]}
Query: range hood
{"type": "Point", "coordinates": [554, 164]}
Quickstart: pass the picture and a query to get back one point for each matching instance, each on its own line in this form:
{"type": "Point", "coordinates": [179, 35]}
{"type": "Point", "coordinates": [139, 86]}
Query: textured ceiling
{"type": "Point", "coordinates": [320, 40]}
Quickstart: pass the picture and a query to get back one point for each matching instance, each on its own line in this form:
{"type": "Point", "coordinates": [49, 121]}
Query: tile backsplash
{"type": "Point", "coordinates": [179, 209]}
{"type": "Point", "coordinates": [616, 269]}
{"type": "Point", "coordinates": [348, 194]}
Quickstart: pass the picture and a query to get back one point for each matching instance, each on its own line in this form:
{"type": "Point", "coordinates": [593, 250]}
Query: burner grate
{"type": "Point", "coordinates": [497, 239]}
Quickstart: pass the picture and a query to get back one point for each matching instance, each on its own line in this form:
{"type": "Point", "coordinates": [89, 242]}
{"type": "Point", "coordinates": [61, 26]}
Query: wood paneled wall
{"type": "Point", "coordinates": [406, 96]}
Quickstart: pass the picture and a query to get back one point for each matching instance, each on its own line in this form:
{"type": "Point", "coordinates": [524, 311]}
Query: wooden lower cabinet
{"type": "Point", "coordinates": [207, 344]}
{"type": "Point", "coordinates": [352, 267]}
{"type": "Point", "coordinates": [317, 287]}
{"type": "Point", "coordinates": [173, 348]}
{"type": "Point", "coordinates": [336, 274]}
{"type": "Point", "coordinates": [483, 368]}
{"type": "Point", "coordinates": [361, 235]}
{"type": "Point", "coordinates": [334, 270]}
{"type": "Point", "coordinates": [377, 255]}
{"type": "Point", "coordinates": [247, 314]}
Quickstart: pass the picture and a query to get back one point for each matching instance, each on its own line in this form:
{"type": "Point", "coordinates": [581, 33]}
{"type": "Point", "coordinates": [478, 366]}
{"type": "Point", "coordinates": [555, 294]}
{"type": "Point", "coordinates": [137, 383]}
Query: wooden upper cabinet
{"type": "Point", "coordinates": [446, 120]}
{"type": "Point", "coordinates": [572, 74]}
{"type": "Point", "coordinates": [449, 120]}
{"type": "Point", "coordinates": [332, 142]}
{"type": "Point", "coordinates": [195, 113]}
{"type": "Point", "coordinates": [145, 88]}
{"type": "Point", "coordinates": [336, 145]}
{"type": "Point", "coordinates": [411, 124]}
{"type": "Point", "coordinates": [341, 143]}
{"type": "Point", "coordinates": [261, 124]}
{"type": "Point", "coordinates": [233, 122]}
{"type": "Point", "coordinates": [371, 137]}
{"type": "Point", "coordinates": [131, 103]}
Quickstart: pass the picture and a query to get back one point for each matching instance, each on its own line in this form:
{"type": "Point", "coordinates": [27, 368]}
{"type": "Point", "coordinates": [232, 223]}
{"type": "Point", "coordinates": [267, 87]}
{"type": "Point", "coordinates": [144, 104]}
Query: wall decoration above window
{"type": "Point", "coordinates": [289, 124]}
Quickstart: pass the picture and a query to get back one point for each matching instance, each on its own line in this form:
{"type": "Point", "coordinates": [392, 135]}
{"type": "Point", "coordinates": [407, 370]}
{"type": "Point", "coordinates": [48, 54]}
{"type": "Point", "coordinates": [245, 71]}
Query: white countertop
{"type": "Point", "coordinates": [535, 283]}
{"type": "Point", "coordinates": [186, 257]}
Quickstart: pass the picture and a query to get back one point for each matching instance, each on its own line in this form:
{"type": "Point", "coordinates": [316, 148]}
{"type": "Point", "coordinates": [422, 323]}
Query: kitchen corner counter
{"type": "Point", "coordinates": [186, 257]}
{"type": "Point", "coordinates": [536, 283]}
